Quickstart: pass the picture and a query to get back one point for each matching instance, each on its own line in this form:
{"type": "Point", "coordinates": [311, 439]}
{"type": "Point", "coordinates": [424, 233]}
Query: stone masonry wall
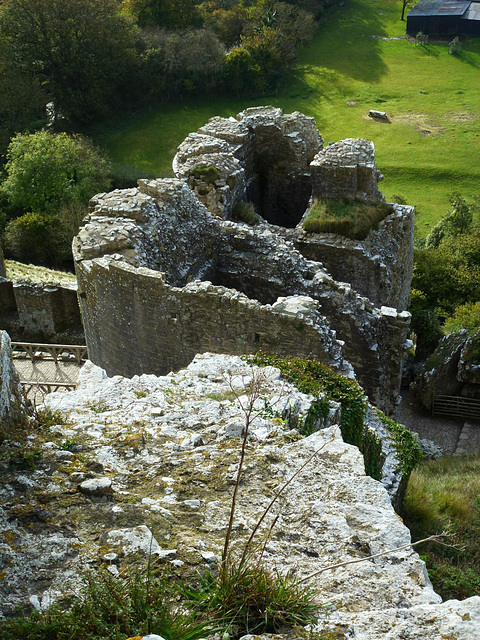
{"type": "Point", "coordinates": [277, 161]}
{"type": "Point", "coordinates": [261, 156]}
{"type": "Point", "coordinates": [346, 169]}
{"type": "Point", "coordinates": [36, 311]}
{"type": "Point", "coordinates": [136, 323]}
{"type": "Point", "coordinates": [379, 267]}
{"type": "Point", "coordinates": [137, 320]}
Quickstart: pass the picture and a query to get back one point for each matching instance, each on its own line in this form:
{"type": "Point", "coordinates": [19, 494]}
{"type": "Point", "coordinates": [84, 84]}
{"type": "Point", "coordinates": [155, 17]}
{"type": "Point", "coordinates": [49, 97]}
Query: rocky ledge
{"type": "Point", "coordinates": [147, 465]}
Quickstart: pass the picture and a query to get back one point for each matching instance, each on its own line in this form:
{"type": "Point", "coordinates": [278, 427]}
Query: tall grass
{"type": "Point", "coordinates": [350, 218]}
{"type": "Point", "coordinates": [444, 494]}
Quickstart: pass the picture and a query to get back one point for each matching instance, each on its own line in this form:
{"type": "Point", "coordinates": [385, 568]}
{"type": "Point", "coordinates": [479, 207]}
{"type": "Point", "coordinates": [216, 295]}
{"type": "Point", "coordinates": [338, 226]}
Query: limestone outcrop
{"type": "Point", "coordinates": [12, 405]}
{"type": "Point", "coordinates": [452, 370]}
{"type": "Point", "coordinates": [150, 469]}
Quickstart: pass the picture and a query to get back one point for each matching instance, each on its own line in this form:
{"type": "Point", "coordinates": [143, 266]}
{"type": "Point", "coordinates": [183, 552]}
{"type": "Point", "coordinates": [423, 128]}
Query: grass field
{"type": "Point", "coordinates": [428, 147]}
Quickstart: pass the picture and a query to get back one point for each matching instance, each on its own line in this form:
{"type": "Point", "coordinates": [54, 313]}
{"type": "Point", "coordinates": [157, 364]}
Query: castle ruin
{"type": "Point", "coordinates": [164, 272]}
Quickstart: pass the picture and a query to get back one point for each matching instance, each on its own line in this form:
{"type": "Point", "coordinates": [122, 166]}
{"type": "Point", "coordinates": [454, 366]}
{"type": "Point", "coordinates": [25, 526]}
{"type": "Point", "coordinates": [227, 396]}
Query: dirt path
{"type": "Point", "coordinates": [452, 435]}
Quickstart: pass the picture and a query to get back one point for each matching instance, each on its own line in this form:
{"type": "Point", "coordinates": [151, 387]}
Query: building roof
{"type": "Point", "coordinates": [473, 12]}
{"type": "Point", "coordinates": [441, 7]}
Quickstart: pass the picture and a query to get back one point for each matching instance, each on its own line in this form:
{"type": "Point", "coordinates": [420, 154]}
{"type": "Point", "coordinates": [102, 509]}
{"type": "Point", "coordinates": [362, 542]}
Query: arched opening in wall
{"type": "Point", "coordinates": [280, 189]}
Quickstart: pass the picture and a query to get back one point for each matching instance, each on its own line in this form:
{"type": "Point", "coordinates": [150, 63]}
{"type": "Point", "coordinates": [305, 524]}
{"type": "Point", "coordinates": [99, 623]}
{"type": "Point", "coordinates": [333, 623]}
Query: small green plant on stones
{"type": "Point", "coordinates": [111, 608]}
{"type": "Point", "coordinates": [245, 212]}
{"type": "Point", "coordinates": [246, 596]}
{"type": "Point", "coordinates": [99, 407]}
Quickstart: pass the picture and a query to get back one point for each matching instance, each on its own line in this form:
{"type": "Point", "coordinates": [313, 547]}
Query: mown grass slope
{"type": "Point", "coordinates": [360, 60]}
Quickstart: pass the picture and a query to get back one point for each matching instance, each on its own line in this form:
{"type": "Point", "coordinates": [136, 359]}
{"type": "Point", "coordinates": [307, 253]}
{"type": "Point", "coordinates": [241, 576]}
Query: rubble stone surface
{"type": "Point", "coordinates": [173, 498]}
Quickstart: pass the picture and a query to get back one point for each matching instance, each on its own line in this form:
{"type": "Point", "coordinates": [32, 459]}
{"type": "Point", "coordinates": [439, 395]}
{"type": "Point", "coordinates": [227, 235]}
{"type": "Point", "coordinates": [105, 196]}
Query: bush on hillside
{"type": "Point", "coordinates": [45, 171]}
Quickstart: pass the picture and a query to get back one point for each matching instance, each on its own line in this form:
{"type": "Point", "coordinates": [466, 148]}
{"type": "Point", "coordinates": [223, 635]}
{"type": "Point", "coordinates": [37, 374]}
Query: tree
{"type": "Point", "coordinates": [170, 14]}
{"type": "Point", "coordinates": [405, 5]}
{"type": "Point", "coordinates": [457, 221]}
{"type": "Point", "coordinates": [22, 101]}
{"type": "Point", "coordinates": [81, 51]}
{"type": "Point", "coordinates": [45, 171]}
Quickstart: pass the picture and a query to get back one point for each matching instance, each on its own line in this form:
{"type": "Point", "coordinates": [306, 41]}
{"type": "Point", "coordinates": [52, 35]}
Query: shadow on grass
{"type": "Point", "coordinates": [469, 58]}
{"type": "Point", "coordinates": [346, 45]}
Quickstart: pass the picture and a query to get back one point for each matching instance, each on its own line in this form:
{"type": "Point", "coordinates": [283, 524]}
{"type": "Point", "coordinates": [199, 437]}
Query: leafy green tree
{"type": "Point", "coordinates": [81, 51]}
{"type": "Point", "coordinates": [22, 100]}
{"type": "Point", "coordinates": [170, 14]}
{"type": "Point", "coordinates": [242, 73]}
{"type": "Point", "coordinates": [457, 221]}
{"type": "Point", "coordinates": [45, 171]}
{"type": "Point", "coordinates": [466, 316]}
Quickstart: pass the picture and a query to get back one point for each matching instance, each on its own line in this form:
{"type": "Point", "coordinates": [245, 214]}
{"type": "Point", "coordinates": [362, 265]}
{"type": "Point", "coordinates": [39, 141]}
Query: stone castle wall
{"type": "Point", "coordinates": [160, 279]}
{"type": "Point", "coordinates": [379, 267]}
{"type": "Point", "coordinates": [36, 311]}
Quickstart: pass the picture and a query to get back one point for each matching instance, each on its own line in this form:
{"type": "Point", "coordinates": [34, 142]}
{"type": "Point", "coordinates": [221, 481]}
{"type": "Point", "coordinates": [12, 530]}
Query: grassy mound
{"type": "Point", "coordinates": [350, 218]}
{"type": "Point", "coordinates": [443, 495]}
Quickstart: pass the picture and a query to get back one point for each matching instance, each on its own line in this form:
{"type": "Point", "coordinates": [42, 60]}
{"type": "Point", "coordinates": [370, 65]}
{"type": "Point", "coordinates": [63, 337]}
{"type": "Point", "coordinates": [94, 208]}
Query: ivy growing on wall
{"type": "Point", "coordinates": [405, 444]}
{"type": "Point", "coordinates": [317, 379]}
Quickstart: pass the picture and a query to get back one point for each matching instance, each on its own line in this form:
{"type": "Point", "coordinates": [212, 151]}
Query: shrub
{"type": "Point", "coordinates": [45, 171]}
{"type": "Point", "coordinates": [350, 218]}
{"type": "Point", "coordinates": [245, 212]}
{"type": "Point", "coordinates": [28, 238]}
{"type": "Point", "coordinates": [427, 329]}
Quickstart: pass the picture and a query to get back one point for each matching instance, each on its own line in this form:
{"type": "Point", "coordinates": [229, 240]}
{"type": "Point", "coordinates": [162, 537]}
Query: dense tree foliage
{"type": "Point", "coordinates": [47, 170]}
{"type": "Point", "coordinates": [81, 51]}
{"type": "Point", "coordinates": [50, 178]}
{"type": "Point", "coordinates": [84, 59]}
{"type": "Point", "coordinates": [446, 277]}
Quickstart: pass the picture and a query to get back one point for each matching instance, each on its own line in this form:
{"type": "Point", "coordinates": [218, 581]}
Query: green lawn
{"type": "Point", "coordinates": [428, 148]}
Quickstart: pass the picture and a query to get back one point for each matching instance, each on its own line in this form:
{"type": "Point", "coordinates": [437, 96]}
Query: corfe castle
{"type": "Point", "coordinates": [163, 269]}
{"type": "Point", "coordinates": [165, 275]}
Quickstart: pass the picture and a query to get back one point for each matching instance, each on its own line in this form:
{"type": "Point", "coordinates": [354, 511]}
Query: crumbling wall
{"type": "Point", "coordinates": [379, 267]}
{"type": "Point", "coordinates": [165, 319]}
{"type": "Point", "coordinates": [278, 161]}
{"type": "Point", "coordinates": [36, 311]}
{"type": "Point", "coordinates": [136, 322]}
{"type": "Point", "coordinates": [346, 169]}
{"type": "Point", "coordinates": [261, 156]}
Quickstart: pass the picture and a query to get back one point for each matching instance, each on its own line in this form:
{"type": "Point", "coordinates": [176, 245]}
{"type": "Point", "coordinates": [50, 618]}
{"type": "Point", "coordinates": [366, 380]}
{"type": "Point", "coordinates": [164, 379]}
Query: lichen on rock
{"type": "Point", "coordinates": [170, 496]}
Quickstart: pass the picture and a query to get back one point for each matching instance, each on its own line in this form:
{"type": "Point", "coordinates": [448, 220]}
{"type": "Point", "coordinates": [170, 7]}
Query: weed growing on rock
{"type": "Point", "coordinates": [245, 212]}
{"type": "Point", "coordinates": [247, 597]}
{"type": "Point", "coordinates": [317, 379]}
{"type": "Point", "coordinates": [110, 608]}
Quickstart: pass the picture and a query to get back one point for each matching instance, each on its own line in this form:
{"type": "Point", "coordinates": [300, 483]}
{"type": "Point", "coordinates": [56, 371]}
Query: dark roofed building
{"type": "Point", "coordinates": [445, 18]}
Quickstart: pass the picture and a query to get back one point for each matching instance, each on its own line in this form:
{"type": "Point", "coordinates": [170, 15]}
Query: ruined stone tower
{"type": "Point", "coordinates": [164, 273]}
